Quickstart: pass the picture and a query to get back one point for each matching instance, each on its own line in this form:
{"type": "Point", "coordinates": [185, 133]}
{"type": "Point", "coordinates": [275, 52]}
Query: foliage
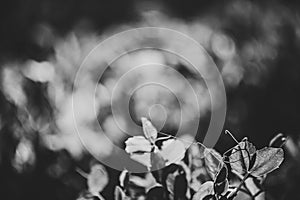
{"type": "Point", "coordinates": [176, 172]}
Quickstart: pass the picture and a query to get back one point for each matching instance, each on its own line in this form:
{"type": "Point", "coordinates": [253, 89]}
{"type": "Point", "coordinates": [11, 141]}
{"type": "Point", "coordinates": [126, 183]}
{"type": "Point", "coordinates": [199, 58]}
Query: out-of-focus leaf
{"type": "Point", "coordinates": [149, 130]}
{"type": "Point", "coordinates": [199, 176]}
{"type": "Point", "coordinates": [143, 158]}
{"type": "Point", "coordinates": [157, 161]}
{"type": "Point", "coordinates": [168, 176]}
{"type": "Point", "coordinates": [97, 179]}
{"type": "Point", "coordinates": [24, 156]}
{"type": "Point", "coordinates": [120, 194]}
{"type": "Point", "coordinates": [241, 156]}
{"type": "Point", "coordinates": [213, 162]}
{"type": "Point", "coordinates": [86, 195]}
{"type": "Point", "coordinates": [267, 160]}
{"type": "Point", "coordinates": [124, 178]}
{"type": "Point", "coordinates": [138, 144]}
{"type": "Point", "coordinates": [139, 149]}
{"type": "Point", "coordinates": [147, 181]}
{"type": "Point", "coordinates": [196, 156]}
{"type": "Point", "coordinates": [172, 151]}
{"type": "Point", "coordinates": [157, 193]}
{"type": "Point", "coordinates": [278, 141]}
{"type": "Point", "coordinates": [205, 190]}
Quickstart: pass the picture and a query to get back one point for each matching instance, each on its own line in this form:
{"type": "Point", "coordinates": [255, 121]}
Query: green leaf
{"type": "Point", "coordinates": [267, 160]}
{"type": "Point", "coordinates": [206, 189]}
{"type": "Point", "coordinates": [149, 130]}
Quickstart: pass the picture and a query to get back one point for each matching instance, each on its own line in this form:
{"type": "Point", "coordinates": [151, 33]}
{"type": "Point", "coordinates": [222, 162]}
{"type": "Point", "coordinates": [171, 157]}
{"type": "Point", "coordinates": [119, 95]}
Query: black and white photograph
{"type": "Point", "coordinates": [149, 100]}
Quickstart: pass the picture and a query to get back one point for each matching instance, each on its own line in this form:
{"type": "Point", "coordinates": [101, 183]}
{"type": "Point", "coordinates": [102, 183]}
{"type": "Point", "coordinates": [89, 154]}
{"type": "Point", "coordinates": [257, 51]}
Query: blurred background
{"type": "Point", "coordinates": [254, 44]}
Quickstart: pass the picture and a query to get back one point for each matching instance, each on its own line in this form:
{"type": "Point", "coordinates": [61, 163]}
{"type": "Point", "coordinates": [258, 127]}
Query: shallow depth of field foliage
{"type": "Point", "coordinates": [177, 172]}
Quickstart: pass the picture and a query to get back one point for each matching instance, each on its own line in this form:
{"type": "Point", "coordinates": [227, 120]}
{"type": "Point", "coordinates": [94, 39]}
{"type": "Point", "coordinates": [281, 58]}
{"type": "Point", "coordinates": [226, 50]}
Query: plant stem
{"type": "Point", "coordinates": [235, 191]}
{"type": "Point", "coordinates": [81, 172]}
{"type": "Point", "coordinates": [229, 133]}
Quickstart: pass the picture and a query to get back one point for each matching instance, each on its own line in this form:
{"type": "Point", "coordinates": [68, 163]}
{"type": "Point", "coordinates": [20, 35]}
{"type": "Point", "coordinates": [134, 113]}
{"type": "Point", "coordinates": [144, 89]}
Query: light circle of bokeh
{"type": "Point", "coordinates": [119, 110]}
{"type": "Point", "coordinates": [210, 74]}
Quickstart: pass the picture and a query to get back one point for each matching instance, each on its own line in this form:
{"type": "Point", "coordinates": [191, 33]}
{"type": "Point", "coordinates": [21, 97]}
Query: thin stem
{"type": "Point", "coordinates": [235, 191]}
{"type": "Point", "coordinates": [81, 172]}
{"type": "Point", "coordinates": [231, 135]}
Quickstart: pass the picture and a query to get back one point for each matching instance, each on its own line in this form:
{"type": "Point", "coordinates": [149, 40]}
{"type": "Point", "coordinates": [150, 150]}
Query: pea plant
{"type": "Point", "coordinates": [180, 170]}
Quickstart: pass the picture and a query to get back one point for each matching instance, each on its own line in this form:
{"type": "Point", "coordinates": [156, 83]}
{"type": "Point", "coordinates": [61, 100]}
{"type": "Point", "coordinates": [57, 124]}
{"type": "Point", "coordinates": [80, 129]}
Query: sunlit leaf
{"type": "Point", "coordinates": [143, 158]}
{"type": "Point", "coordinates": [124, 178]}
{"type": "Point", "coordinates": [147, 181]}
{"type": "Point", "coordinates": [97, 179]}
{"type": "Point", "coordinates": [149, 130]}
{"type": "Point", "coordinates": [213, 162]}
{"type": "Point", "coordinates": [267, 160]}
{"type": "Point", "coordinates": [138, 144]}
{"type": "Point", "coordinates": [205, 190]}
{"type": "Point", "coordinates": [172, 151]}
{"type": "Point", "coordinates": [24, 155]}
{"type": "Point", "coordinates": [241, 156]}
{"type": "Point", "coordinates": [157, 161]}
{"type": "Point", "coordinates": [120, 194]}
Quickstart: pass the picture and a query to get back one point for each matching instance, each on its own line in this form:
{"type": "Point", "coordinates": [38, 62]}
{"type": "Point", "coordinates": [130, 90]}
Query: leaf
{"type": "Point", "coordinates": [149, 130]}
{"type": "Point", "coordinates": [143, 158]}
{"type": "Point", "coordinates": [241, 156]}
{"type": "Point", "coordinates": [222, 175]}
{"type": "Point", "coordinates": [196, 156]}
{"type": "Point", "coordinates": [97, 179]}
{"type": "Point", "coordinates": [268, 159]}
{"type": "Point", "coordinates": [172, 151]}
{"type": "Point", "coordinates": [124, 178]}
{"type": "Point", "coordinates": [252, 160]}
{"type": "Point", "coordinates": [213, 162]}
{"type": "Point", "coordinates": [206, 189]}
{"type": "Point", "coordinates": [119, 194]}
{"type": "Point", "coordinates": [157, 161]}
{"type": "Point", "coordinates": [138, 144]}
{"type": "Point", "coordinates": [199, 176]}
{"type": "Point", "coordinates": [147, 181]}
